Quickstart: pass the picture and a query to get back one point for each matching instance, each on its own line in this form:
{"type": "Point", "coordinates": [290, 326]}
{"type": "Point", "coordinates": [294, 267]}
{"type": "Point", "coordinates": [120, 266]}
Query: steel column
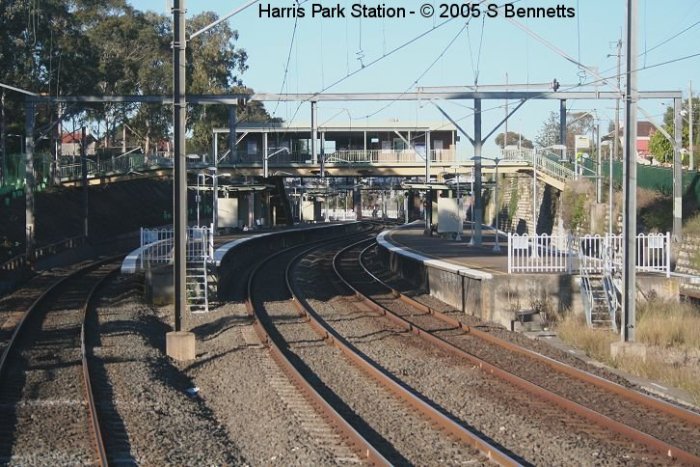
{"type": "Point", "coordinates": [84, 173]}
{"type": "Point", "coordinates": [629, 271]}
{"type": "Point", "coordinates": [478, 201]}
{"type": "Point", "coordinates": [180, 168]}
{"type": "Point", "coordinates": [314, 132]}
{"type": "Point", "coordinates": [677, 172]}
{"type": "Point", "coordinates": [562, 122]}
{"type": "Point", "coordinates": [232, 123]}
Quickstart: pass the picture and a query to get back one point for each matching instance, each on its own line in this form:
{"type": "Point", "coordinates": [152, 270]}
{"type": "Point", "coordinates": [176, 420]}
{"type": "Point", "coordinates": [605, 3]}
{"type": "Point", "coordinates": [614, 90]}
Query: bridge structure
{"type": "Point", "coordinates": [548, 170]}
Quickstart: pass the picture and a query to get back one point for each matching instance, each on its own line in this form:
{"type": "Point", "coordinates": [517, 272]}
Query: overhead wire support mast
{"type": "Point", "coordinates": [629, 272]}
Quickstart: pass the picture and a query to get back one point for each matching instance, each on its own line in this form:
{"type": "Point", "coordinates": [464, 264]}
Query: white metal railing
{"type": "Point", "coordinates": [539, 253]}
{"type": "Point", "coordinates": [596, 254]}
{"type": "Point", "coordinates": [542, 161]}
{"type": "Point", "coordinates": [158, 245]}
{"type": "Point", "coordinates": [352, 156]}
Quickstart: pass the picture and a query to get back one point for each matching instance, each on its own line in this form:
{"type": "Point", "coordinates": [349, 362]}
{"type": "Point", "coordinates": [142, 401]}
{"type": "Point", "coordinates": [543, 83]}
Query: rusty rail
{"type": "Point", "coordinates": [372, 369]}
{"type": "Point", "coordinates": [98, 439]}
{"type": "Point", "coordinates": [92, 410]}
{"type": "Point", "coordinates": [602, 420]}
{"type": "Point", "coordinates": [361, 445]}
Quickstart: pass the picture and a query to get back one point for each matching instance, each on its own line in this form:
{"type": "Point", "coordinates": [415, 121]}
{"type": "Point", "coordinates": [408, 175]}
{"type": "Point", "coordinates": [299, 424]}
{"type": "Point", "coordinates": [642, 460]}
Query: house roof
{"type": "Point", "coordinates": [644, 130]}
{"type": "Point", "coordinates": [74, 137]}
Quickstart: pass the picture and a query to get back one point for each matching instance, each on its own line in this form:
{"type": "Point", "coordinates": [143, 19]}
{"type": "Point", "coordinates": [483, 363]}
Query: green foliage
{"type": "Point", "coordinates": [660, 147]}
{"type": "Point", "coordinates": [577, 124]}
{"type": "Point", "coordinates": [576, 204]}
{"type": "Point", "coordinates": [514, 197]}
{"type": "Point", "coordinates": [85, 47]}
{"type": "Point", "coordinates": [514, 139]}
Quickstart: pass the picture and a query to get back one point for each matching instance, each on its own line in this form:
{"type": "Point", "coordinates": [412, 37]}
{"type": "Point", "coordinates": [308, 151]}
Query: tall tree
{"type": "Point", "coordinates": [578, 123]}
{"type": "Point", "coordinates": [660, 147]}
{"type": "Point", "coordinates": [514, 139]}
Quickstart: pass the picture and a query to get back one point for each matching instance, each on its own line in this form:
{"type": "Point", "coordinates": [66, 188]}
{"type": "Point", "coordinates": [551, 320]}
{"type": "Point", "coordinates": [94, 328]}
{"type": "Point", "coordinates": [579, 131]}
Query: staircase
{"type": "Point", "coordinates": [601, 296]}
{"type": "Point", "coordinates": [197, 291]}
{"type": "Point", "coordinates": [280, 202]}
{"type": "Point", "coordinates": [597, 302]}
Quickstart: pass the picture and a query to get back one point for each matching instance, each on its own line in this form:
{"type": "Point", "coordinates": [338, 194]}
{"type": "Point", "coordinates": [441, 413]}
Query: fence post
{"type": "Point", "coordinates": [668, 254]}
{"type": "Point", "coordinates": [510, 252]}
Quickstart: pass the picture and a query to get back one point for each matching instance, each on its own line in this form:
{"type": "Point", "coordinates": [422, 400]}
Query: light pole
{"type": "Point", "coordinates": [496, 246]}
{"type": "Point", "coordinates": [471, 208]}
{"type": "Point", "coordinates": [534, 204]}
{"type": "Point", "coordinates": [458, 237]}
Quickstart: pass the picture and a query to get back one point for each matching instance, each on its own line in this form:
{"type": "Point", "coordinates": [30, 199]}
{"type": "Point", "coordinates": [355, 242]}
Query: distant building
{"type": "Point", "coordinates": [645, 130]}
{"type": "Point", "coordinates": [389, 143]}
{"type": "Point", "coordinates": [70, 144]}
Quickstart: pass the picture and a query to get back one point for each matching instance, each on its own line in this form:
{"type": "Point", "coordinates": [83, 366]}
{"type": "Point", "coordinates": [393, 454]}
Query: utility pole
{"type": "Point", "coordinates": [3, 146]}
{"type": "Point", "coordinates": [84, 177]}
{"type": "Point", "coordinates": [691, 155]}
{"type": "Point", "coordinates": [505, 135]}
{"type": "Point", "coordinates": [629, 272]}
{"type": "Point", "coordinates": [616, 148]}
{"type": "Point", "coordinates": [180, 173]}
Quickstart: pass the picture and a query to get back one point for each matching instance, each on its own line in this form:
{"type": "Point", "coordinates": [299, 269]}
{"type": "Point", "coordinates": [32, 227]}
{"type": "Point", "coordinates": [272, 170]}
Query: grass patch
{"type": "Point", "coordinates": [671, 332]}
{"type": "Point", "coordinates": [669, 324]}
{"type": "Point", "coordinates": [692, 226]}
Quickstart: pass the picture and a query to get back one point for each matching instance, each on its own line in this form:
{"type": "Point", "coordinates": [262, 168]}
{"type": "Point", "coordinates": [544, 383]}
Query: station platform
{"type": "Point", "coordinates": [460, 253]}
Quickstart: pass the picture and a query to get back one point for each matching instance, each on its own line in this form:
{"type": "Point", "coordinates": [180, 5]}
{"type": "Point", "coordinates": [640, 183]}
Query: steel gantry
{"type": "Point", "coordinates": [477, 95]}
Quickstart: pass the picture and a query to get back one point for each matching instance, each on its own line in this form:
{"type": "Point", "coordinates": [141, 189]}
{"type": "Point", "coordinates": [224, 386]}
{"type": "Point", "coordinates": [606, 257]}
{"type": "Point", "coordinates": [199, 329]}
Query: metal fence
{"type": "Point", "coordinates": [19, 262]}
{"type": "Point", "coordinates": [605, 253]}
{"type": "Point", "coordinates": [594, 253]}
{"type": "Point", "coordinates": [157, 245]}
{"type": "Point", "coordinates": [539, 253]}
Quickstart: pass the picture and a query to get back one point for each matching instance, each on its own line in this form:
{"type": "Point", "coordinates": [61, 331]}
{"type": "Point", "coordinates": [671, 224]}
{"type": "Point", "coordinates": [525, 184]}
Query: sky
{"type": "Point", "coordinates": [357, 55]}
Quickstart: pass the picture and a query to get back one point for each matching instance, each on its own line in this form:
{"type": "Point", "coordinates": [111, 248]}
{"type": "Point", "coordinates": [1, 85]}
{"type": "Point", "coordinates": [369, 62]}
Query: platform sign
{"type": "Point", "coordinates": [227, 212]}
{"type": "Point", "coordinates": [521, 242]}
{"type": "Point", "coordinates": [449, 220]}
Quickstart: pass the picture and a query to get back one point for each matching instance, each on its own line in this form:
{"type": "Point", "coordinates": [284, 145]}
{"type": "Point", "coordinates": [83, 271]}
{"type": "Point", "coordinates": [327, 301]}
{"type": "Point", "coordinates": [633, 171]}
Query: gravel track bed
{"type": "Point", "coordinates": [144, 410]}
{"type": "Point", "coordinates": [44, 418]}
{"type": "Point", "coordinates": [656, 423]}
{"type": "Point", "coordinates": [378, 268]}
{"type": "Point", "coordinates": [539, 433]}
{"type": "Point", "coordinates": [12, 306]}
{"type": "Point", "coordinates": [267, 416]}
{"type": "Point", "coordinates": [396, 430]}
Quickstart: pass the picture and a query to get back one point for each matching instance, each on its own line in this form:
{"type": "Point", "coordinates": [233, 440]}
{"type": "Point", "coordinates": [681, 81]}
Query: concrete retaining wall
{"type": "Point", "coordinates": [497, 298]}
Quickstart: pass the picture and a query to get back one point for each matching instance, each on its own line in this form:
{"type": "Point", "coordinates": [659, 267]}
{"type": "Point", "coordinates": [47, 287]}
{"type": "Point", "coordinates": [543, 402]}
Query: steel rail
{"type": "Point", "coordinates": [373, 369]}
{"type": "Point", "coordinates": [98, 439]}
{"type": "Point", "coordinates": [95, 429]}
{"type": "Point", "coordinates": [566, 404]}
{"type": "Point", "coordinates": [361, 445]}
{"type": "Point", "coordinates": [581, 375]}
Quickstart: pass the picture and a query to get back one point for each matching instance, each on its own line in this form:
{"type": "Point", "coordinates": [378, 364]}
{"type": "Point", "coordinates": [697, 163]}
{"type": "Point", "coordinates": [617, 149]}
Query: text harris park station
{"type": "Point", "coordinates": [427, 10]}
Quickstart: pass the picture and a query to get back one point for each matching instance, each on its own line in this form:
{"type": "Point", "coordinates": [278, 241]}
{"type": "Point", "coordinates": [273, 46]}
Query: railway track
{"type": "Point", "coordinates": [48, 414]}
{"type": "Point", "coordinates": [671, 431]}
{"type": "Point", "coordinates": [374, 413]}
